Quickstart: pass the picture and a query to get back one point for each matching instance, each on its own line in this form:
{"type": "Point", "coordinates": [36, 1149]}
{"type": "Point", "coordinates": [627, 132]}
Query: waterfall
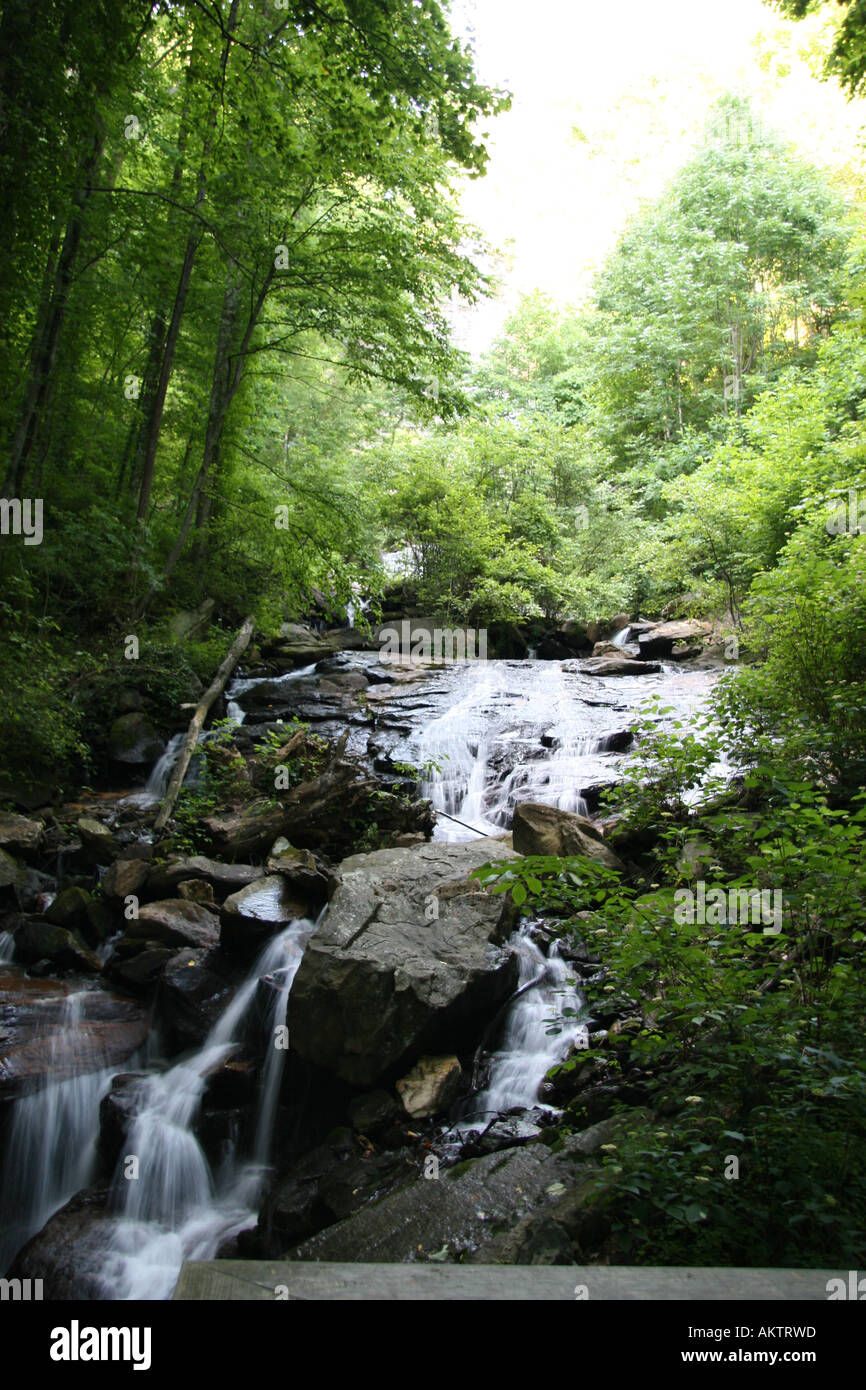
{"type": "Point", "coordinates": [240, 687]}
{"type": "Point", "coordinates": [51, 1151]}
{"type": "Point", "coordinates": [620, 638]}
{"type": "Point", "coordinates": [492, 705]}
{"type": "Point", "coordinates": [176, 1208]}
{"type": "Point", "coordinates": [7, 947]}
{"type": "Point", "coordinates": [542, 1025]}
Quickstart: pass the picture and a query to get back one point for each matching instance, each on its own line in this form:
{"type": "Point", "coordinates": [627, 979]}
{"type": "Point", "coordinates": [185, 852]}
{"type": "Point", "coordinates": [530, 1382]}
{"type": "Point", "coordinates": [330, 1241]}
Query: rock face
{"type": "Point", "coordinates": [546, 830]}
{"type": "Point", "coordinates": [406, 960]}
{"type": "Point", "coordinates": [487, 1209]}
{"type": "Point", "coordinates": [430, 1086]}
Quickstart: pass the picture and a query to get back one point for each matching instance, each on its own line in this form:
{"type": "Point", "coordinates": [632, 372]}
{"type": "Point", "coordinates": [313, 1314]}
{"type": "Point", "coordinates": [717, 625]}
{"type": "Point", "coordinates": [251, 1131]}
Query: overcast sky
{"type": "Point", "coordinates": [609, 99]}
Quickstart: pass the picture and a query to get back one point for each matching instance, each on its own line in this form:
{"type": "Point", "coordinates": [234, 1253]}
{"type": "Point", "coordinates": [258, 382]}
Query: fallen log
{"type": "Point", "coordinates": [216, 688]}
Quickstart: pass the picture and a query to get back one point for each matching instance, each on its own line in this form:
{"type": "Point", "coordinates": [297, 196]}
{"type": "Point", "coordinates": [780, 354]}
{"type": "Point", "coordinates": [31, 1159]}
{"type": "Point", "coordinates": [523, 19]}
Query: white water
{"type": "Point", "coordinates": [495, 701]}
{"type": "Point", "coordinates": [177, 1208]}
{"type": "Point", "coordinates": [542, 1025]}
{"type": "Point", "coordinates": [7, 947]}
{"type": "Point", "coordinates": [52, 1143]}
{"type": "Point", "coordinates": [618, 638]}
{"type": "Point", "coordinates": [240, 687]}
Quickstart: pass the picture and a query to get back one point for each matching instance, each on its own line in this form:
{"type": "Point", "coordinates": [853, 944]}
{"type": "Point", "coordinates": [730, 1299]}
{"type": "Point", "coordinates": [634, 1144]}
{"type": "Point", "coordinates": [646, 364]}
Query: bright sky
{"type": "Point", "coordinates": [610, 97]}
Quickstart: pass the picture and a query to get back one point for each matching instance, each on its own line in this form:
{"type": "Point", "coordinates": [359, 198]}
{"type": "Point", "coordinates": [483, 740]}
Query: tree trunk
{"type": "Point", "coordinates": [216, 687]}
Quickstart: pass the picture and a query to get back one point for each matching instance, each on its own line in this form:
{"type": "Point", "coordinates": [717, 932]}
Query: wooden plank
{"type": "Point", "coordinates": [285, 1281]}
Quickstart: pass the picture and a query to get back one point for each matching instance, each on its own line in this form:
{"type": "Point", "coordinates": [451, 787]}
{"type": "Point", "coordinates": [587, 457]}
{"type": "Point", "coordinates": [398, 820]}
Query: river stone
{"type": "Point", "coordinates": [133, 739]}
{"type": "Point", "coordinates": [20, 835]}
{"type": "Point", "coordinates": [252, 915]}
{"type": "Point", "coordinates": [125, 877]}
{"type": "Point", "coordinates": [407, 959]}
{"type": "Point", "coordinates": [546, 830]}
{"type": "Point", "coordinates": [98, 840]}
{"type": "Point", "coordinates": [617, 666]}
{"type": "Point", "coordinates": [224, 878]}
{"type": "Point", "coordinates": [197, 890]}
{"type": "Point", "coordinates": [430, 1086]}
{"type": "Point", "coordinates": [143, 967]}
{"type": "Point", "coordinates": [69, 908]}
{"type": "Point", "coordinates": [175, 922]}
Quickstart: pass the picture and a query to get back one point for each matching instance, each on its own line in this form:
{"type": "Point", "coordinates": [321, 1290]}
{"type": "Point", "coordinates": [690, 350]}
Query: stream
{"type": "Point", "coordinates": [486, 735]}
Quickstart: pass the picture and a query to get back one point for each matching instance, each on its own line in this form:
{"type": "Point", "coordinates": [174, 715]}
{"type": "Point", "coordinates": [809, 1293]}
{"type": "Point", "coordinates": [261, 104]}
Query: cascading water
{"type": "Point", "coordinates": [51, 1150]}
{"type": "Point", "coordinates": [176, 1208]}
{"type": "Point", "coordinates": [543, 1023]}
{"type": "Point", "coordinates": [494, 702]}
{"type": "Point", "coordinates": [7, 947]}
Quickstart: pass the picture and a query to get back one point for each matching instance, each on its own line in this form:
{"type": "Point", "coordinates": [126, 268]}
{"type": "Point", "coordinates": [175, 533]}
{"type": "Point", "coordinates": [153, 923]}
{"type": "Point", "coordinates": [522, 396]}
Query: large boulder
{"type": "Point", "coordinates": [407, 960]}
{"type": "Point", "coordinates": [38, 940]}
{"type": "Point", "coordinates": [430, 1086]}
{"type": "Point", "coordinates": [224, 878]}
{"type": "Point", "coordinates": [193, 991]}
{"type": "Point", "coordinates": [252, 915]}
{"type": "Point", "coordinates": [618, 666]}
{"type": "Point", "coordinates": [133, 739]}
{"type": "Point", "coordinates": [175, 922]}
{"type": "Point", "coordinates": [546, 830]}
{"type": "Point", "coordinates": [97, 840]}
{"type": "Point", "coordinates": [125, 877]}
{"type": "Point", "coordinates": [19, 835]}
{"type": "Point", "coordinates": [468, 1210]}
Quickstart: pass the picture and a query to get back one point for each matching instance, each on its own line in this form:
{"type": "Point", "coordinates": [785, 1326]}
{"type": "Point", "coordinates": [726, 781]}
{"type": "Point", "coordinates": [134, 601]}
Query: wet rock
{"type": "Point", "coordinates": [546, 830]}
{"type": "Point", "coordinates": [143, 965]}
{"type": "Point", "coordinates": [97, 840]}
{"type": "Point", "coordinates": [406, 961]}
{"type": "Point", "coordinates": [19, 835]}
{"type": "Point", "coordinates": [133, 739]}
{"type": "Point", "coordinates": [374, 1113]}
{"type": "Point", "coordinates": [68, 1254]}
{"type": "Point", "coordinates": [463, 1211]}
{"type": "Point", "coordinates": [117, 1110]}
{"type": "Point", "coordinates": [223, 878]}
{"type": "Point", "coordinates": [231, 1084]}
{"type": "Point", "coordinates": [652, 645]}
{"type": "Point", "coordinates": [192, 994]}
{"type": "Point", "coordinates": [328, 1184]}
{"type": "Point", "coordinates": [175, 922]}
{"type": "Point", "coordinates": [430, 1086]}
{"type": "Point", "coordinates": [125, 877]}
{"type": "Point", "coordinates": [248, 918]}
{"type": "Point", "coordinates": [618, 666]}
{"type": "Point", "coordinates": [36, 1046]}
{"type": "Point", "coordinates": [40, 940]}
